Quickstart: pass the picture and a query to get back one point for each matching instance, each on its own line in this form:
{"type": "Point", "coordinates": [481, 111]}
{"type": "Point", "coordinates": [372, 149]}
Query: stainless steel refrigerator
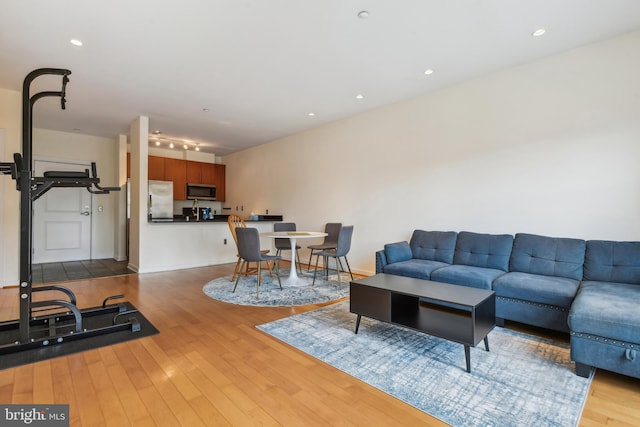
{"type": "Point", "coordinates": [160, 200]}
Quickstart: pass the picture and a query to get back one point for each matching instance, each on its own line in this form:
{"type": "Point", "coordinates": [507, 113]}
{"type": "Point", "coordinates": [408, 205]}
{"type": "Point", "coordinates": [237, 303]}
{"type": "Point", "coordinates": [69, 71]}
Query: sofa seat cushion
{"type": "Point", "coordinates": [556, 291]}
{"type": "Point", "coordinates": [607, 310]}
{"type": "Point", "coordinates": [416, 268]}
{"type": "Point", "coordinates": [466, 275]}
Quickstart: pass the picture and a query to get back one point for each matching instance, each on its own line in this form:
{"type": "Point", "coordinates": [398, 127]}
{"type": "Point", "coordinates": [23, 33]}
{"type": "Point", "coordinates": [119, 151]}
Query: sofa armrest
{"type": "Point", "coordinates": [381, 261]}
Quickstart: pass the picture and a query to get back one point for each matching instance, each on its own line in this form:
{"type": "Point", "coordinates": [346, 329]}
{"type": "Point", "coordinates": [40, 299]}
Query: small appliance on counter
{"type": "Point", "coordinates": [202, 214]}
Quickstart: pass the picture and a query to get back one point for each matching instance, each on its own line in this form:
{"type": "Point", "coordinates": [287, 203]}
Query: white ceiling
{"type": "Point", "coordinates": [261, 66]}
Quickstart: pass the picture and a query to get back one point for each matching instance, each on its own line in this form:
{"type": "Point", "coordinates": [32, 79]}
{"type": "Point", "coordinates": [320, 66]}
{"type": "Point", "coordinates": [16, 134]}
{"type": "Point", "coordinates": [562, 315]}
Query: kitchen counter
{"type": "Point", "coordinates": [185, 220]}
{"type": "Point", "coordinates": [216, 219]}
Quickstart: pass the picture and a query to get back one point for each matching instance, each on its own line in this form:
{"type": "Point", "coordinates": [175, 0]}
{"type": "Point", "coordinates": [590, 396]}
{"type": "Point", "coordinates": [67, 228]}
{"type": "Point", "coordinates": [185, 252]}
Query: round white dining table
{"type": "Point", "coordinates": [293, 236]}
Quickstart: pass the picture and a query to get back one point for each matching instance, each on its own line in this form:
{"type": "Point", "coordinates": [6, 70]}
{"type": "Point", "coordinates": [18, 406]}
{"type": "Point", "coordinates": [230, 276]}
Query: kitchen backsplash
{"type": "Point", "coordinates": [179, 205]}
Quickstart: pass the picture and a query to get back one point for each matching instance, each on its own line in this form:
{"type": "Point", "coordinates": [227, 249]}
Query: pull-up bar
{"type": "Point", "coordinates": [34, 330]}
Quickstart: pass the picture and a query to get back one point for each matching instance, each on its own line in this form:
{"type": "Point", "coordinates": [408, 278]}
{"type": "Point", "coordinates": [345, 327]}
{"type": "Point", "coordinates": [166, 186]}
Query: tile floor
{"type": "Point", "coordinates": [74, 270]}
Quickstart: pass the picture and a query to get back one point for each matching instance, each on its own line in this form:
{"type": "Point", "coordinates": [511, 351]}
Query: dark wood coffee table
{"type": "Point", "coordinates": [457, 313]}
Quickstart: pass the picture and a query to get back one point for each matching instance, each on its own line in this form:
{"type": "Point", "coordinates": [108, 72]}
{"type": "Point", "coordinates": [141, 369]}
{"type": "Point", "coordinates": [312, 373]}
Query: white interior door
{"type": "Point", "coordinates": [61, 219]}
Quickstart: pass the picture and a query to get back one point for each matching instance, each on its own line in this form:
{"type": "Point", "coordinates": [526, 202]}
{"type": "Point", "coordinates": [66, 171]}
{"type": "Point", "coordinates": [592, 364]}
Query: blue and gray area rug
{"type": "Point", "coordinates": [271, 295]}
{"type": "Point", "coordinates": [523, 381]}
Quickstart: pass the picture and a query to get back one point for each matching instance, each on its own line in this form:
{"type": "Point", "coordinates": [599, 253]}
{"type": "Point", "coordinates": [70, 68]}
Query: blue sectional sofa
{"type": "Point", "coordinates": [605, 314]}
{"type": "Point", "coordinates": [590, 289]}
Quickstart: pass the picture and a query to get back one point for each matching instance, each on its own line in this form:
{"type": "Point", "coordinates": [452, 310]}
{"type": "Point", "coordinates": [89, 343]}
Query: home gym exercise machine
{"type": "Point", "coordinates": [53, 321]}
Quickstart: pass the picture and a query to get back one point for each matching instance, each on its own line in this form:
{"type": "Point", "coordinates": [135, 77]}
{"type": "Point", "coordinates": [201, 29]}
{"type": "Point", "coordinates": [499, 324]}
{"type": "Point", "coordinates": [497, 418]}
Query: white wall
{"type": "Point", "coordinates": [120, 205]}
{"type": "Point", "coordinates": [10, 228]}
{"type": "Point", "coordinates": [179, 153]}
{"type": "Point", "coordinates": [2, 186]}
{"type": "Point", "coordinates": [550, 147]}
{"type": "Point", "coordinates": [61, 146]}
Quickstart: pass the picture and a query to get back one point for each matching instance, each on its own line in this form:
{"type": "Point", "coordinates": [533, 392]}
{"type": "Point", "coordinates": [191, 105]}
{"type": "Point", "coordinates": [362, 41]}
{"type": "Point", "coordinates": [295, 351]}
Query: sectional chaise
{"type": "Point", "coordinates": [590, 289]}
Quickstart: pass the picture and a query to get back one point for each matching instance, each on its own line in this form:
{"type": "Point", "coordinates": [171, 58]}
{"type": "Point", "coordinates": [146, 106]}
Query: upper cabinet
{"type": "Point", "coordinates": [183, 172]}
{"type": "Point", "coordinates": [201, 173]}
{"type": "Point", "coordinates": [156, 168]}
{"type": "Point", "coordinates": [221, 173]}
{"type": "Point", "coordinates": [176, 170]}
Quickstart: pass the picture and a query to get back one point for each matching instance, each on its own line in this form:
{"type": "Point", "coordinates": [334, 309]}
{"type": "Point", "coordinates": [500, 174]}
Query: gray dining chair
{"type": "Point", "coordinates": [342, 249]}
{"type": "Point", "coordinates": [285, 244]}
{"type": "Point", "coordinates": [236, 222]}
{"type": "Point", "coordinates": [249, 251]}
{"type": "Point", "coordinates": [330, 240]}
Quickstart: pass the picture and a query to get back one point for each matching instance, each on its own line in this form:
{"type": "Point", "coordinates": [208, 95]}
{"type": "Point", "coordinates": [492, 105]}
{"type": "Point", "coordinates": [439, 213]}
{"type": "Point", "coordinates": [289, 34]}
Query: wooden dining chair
{"type": "Point", "coordinates": [235, 222]}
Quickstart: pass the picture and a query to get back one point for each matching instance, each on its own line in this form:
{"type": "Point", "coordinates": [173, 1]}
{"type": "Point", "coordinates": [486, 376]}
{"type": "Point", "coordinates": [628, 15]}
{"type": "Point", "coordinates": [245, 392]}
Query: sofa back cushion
{"type": "Point", "coordinates": [483, 250]}
{"type": "Point", "coordinates": [607, 261]}
{"type": "Point", "coordinates": [549, 256]}
{"type": "Point", "coordinates": [433, 245]}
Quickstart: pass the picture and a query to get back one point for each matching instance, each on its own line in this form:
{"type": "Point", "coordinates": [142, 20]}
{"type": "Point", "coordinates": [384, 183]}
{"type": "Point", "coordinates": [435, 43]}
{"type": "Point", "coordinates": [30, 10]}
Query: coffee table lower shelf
{"type": "Point", "coordinates": [456, 313]}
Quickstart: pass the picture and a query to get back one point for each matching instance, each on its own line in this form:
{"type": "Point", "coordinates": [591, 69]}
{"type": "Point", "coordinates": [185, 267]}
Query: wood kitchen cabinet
{"type": "Point", "coordinates": [194, 172]}
{"type": "Point", "coordinates": [176, 170]}
{"type": "Point", "coordinates": [209, 176]}
{"type": "Point", "coordinates": [156, 168]}
{"type": "Point", "coordinates": [220, 179]}
{"type": "Point", "coordinates": [201, 173]}
{"type": "Point", "coordinates": [181, 172]}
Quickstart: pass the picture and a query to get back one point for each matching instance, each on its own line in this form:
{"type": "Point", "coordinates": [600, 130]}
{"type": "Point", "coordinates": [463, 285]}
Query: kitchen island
{"type": "Point", "coordinates": [217, 218]}
{"type": "Point", "coordinates": [178, 244]}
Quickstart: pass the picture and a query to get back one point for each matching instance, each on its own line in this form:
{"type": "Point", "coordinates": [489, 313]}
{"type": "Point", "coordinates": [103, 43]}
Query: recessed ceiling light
{"type": "Point", "coordinates": [363, 14]}
{"type": "Point", "coordinates": [157, 132]}
{"type": "Point", "coordinates": [359, 96]}
{"type": "Point", "coordinates": [171, 145]}
{"type": "Point", "coordinates": [75, 42]}
{"type": "Point", "coordinates": [538, 32]}
{"type": "Point", "coordinates": [312, 114]}
{"type": "Point", "coordinates": [428, 71]}
{"type": "Point", "coordinates": [157, 143]}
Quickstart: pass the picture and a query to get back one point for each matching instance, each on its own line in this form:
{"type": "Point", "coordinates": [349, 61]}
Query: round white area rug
{"type": "Point", "coordinates": [270, 294]}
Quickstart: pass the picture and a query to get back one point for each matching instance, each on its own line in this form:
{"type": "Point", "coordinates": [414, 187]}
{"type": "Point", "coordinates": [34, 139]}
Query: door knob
{"type": "Point", "coordinates": [85, 213]}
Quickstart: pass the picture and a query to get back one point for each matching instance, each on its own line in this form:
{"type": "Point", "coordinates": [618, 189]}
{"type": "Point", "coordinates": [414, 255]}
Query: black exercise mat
{"type": "Point", "coordinates": [23, 357]}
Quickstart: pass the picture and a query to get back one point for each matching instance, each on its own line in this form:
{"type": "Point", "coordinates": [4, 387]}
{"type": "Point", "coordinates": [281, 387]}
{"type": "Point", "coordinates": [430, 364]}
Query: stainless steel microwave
{"type": "Point", "coordinates": [201, 192]}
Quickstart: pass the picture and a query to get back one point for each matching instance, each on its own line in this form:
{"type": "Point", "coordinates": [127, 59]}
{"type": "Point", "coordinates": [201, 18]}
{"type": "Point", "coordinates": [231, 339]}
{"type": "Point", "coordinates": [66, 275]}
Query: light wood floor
{"type": "Point", "coordinates": [211, 366]}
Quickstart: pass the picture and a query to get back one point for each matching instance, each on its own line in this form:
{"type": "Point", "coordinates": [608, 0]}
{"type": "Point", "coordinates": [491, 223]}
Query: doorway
{"type": "Point", "coordinates": [62, 218]}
